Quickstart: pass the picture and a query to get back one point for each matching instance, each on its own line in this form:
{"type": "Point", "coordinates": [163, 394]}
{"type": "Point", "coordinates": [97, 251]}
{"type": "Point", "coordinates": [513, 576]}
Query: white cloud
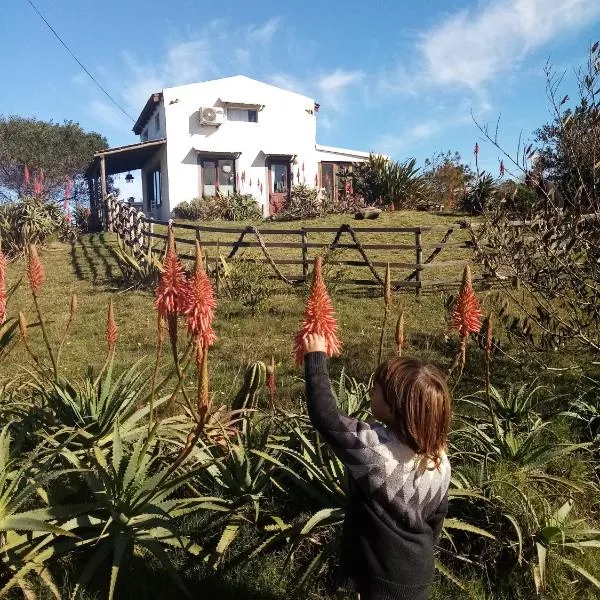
{"type": "Point", "coordinates": [264, 34]}
{"type": "Point", "coordinates": [287, 82]}
{"type": "Point", "coordinates": [472, 47]}
{"type": "Point", "coordinates": [333, 87]}
{"type": "Point", "coordinates": [108, 114]}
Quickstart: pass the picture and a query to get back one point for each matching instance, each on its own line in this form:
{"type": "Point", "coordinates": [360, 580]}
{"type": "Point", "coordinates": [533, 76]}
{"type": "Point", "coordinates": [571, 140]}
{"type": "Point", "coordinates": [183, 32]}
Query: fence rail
{"type": "Point", "coordinates": [139, 232]}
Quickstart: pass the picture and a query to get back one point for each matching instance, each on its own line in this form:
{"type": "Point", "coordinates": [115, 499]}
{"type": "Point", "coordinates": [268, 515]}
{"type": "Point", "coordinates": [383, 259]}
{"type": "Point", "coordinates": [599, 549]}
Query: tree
{"type": "Point", "coordinates": [446, 178]}
{"type": "Point", "coordinates": [59, 151]}
{"type": "Point", "coordinates": [555, 255]}
{"type": "Point", "coordinates": [381, 182]}
{"type": "Point", "coordinates": [568, 152]}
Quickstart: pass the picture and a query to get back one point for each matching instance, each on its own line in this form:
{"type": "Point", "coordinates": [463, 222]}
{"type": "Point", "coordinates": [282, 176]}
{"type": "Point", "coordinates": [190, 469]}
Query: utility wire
{"type": "Point", "coordinates": [79, 62]}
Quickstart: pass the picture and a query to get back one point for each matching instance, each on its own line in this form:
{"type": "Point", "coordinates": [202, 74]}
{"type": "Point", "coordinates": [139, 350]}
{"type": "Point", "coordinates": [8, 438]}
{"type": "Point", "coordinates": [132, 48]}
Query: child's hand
{"type": "Point", "coordinates": [314, 343]}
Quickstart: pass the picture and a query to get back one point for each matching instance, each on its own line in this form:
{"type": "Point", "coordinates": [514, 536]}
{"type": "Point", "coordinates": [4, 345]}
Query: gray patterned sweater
{"type": "Point", "coordinates": [395, 512]}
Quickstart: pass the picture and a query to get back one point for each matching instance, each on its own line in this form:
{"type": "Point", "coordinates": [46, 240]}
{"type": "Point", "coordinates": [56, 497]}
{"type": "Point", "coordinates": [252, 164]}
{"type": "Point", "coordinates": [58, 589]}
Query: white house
{"type": "Point", "coordinates": [228, 135]}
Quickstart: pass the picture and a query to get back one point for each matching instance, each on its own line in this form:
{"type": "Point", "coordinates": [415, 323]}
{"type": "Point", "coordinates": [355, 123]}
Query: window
{"type": "Point", "coordinates": [217, 175]}
{"type": "Point", "coordinates": [153, 189]}
{"type": "Point", "coordinates": [157, 122]}
{"type": "Point", "coordinates": [144, 135]}
{"type": "Point", "coordinates": [279, 178]}
{"type": "Point", "coordinates": [242, 114]}
{"type": "Point", "coordinates": [335, 179]}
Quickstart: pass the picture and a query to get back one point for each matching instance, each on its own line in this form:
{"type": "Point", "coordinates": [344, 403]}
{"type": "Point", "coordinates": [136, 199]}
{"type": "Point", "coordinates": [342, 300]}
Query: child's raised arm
{"type": "Point", "coordinates": [350, 438]}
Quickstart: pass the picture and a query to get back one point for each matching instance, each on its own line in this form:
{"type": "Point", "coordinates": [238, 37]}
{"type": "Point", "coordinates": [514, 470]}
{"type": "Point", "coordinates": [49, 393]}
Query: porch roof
{"type": "Point", "coordinates": [124, 158]}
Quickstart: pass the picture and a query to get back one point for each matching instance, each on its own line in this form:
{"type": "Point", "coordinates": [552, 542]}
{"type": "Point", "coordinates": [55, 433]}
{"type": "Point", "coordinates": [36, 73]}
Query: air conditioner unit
{"type": "Point", "coordinates": [212, 116]}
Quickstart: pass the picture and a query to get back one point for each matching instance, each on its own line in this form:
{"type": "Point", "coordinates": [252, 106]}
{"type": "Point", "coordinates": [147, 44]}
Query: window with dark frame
{"type": "Point", "coordinates": [157, 121]}
{"type": "Point", "coordinates": [242, 115]}
{"type": "Point", "coordinates": [217, 175]}
{"type": "Point", "coordinates": [153, 188]}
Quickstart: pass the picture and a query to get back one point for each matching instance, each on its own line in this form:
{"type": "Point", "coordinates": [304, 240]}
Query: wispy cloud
{"type": "Point", "coordinates": [472, 47]}
{"type": "Point", "coordinates": [333, 86]}
{"type": "Point", "coordinates": [263, 34]}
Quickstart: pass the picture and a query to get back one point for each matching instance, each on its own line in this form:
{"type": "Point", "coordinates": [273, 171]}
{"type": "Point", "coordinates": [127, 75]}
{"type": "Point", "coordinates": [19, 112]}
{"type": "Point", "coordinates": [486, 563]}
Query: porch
{"type": "Point", "coordinates": [124, 159]}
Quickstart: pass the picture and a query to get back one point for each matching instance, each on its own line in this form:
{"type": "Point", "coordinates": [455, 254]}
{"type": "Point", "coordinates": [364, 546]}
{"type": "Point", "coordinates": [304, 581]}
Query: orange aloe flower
{"type": "Point", "coordinates": [466, 316]}
{"type": "Point", "coordinates": [3, 292]}
{"type": "Point", "coordinates": [319, 317]}
{"type": "Point", "coordinates": [172, 291]}
{"type": "Point", "coordinates": [200, 311]}
{"type": "Point", "coordinates": [35, 270]}
{"type": "Point", "coordinates": [111, 328]}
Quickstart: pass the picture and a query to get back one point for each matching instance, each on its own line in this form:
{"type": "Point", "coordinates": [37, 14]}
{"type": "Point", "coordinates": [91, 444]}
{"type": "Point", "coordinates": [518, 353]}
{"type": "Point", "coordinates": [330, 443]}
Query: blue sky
{"type": "Point", "coordinates": [402, 78]}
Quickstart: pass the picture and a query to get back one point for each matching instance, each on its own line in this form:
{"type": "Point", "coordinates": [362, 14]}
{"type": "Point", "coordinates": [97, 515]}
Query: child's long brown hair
{"type": "Point", "coordinates": [420, 401]}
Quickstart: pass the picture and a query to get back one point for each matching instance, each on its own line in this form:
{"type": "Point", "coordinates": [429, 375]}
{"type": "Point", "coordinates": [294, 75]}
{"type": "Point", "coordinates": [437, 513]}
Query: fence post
{"type": "Point", "coordinates": [304, 255]}
{"type": "Point", "coordinates": [419, 257]}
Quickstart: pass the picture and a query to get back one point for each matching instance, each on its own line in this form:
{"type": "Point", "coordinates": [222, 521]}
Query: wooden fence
{"type": "Point", "coordinates": [297, 243]}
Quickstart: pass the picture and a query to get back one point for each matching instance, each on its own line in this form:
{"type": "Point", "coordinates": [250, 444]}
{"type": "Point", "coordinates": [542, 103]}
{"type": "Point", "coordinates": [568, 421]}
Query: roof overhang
{"type": "Point", "coordinates": [234, 101]}
{"type": "Point", "coordinates": [216, 153]}
{"type": "Point", "coordinates": [147, 111]}
{"type": "Point", "coordinates": [279, 155]}
{"type": "Point", "coordinates": [124, 158]}
{"type": "Point", "coordinates": [333, 154]}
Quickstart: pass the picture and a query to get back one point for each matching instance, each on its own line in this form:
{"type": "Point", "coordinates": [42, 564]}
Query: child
{"type": "Point", "coordinates": [399, 473]}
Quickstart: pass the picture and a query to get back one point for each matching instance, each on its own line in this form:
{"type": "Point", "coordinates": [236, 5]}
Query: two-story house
{"type": "Point", "coordinates": [228, 135]}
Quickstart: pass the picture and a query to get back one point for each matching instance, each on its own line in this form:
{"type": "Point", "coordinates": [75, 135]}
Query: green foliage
{"type": "Point", "coordinates": [250, 283]}
{"type": "Point", "coordinates": [480, 193]}
{"type": "Point", "coordinates": [381, 182]}
{"type": "Point", "coordinates": [232, 207]}
{"type": "Point", "coordinates": [445, 178]}
{"type": "Point", "coordinates": [60, 150]}
{"type": "Point", "coordinates": [139, 269]}
{"type": "Point", "coordinates": [28, 221]}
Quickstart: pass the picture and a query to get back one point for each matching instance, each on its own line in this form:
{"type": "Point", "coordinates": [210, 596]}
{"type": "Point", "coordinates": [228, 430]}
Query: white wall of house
{"type": "Point", "coordinates": [285, 125]}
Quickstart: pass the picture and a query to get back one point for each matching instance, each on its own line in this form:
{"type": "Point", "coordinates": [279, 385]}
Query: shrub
{"type": "Point", "coordinates": [381, 182]}
{"type": "Point", "coordinates": [235, 207]}
{"type": "Point", "coordinates": [28, 221]}
{"type": "Point", "coordinates": [250, 283]}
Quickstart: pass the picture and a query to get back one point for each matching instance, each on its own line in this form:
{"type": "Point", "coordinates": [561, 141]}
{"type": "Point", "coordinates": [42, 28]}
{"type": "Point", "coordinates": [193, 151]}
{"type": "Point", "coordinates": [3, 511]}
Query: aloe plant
{"type": "Point", "coordinates": [138, 506]}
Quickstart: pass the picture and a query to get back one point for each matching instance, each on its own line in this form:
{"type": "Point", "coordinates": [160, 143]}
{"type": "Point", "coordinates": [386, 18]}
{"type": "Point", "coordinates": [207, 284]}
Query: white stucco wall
{"type": "Point", "coordinates": [284, 127]}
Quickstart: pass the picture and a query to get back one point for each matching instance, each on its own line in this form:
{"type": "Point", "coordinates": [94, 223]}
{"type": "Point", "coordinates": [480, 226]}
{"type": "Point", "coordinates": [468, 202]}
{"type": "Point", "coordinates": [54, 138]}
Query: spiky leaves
{"type": "Point", "coordinates": [3, 290]}
{"type": "Point", "coordinates": [319, 317]}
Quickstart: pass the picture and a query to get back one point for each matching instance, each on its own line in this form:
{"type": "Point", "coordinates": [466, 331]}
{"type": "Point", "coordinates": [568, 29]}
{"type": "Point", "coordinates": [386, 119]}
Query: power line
{"type": "Point", "coordinates": [79, 62]}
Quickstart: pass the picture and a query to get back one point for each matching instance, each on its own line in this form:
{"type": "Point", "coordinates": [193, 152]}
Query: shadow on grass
{"type": "Point", "coordinates": [93, 258]}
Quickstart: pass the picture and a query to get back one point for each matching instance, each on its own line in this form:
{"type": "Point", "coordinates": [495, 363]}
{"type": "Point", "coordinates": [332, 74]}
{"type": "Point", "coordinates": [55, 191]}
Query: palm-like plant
{"type": "Point", "coordinates": [139, 502]}
{"type": "Point", "coordinates": [556, 539]}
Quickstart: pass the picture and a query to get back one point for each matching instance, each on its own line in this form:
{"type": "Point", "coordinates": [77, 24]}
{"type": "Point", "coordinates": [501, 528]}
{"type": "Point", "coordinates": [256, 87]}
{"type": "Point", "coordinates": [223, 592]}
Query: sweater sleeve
{"type": "Point", "coordinates": [348, 437]}
{"type": "Point", "coordinates": [436, 519]}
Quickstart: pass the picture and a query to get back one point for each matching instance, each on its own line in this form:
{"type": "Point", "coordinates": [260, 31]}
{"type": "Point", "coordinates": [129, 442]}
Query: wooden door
{"type": "Point", "coordinates": [279, 185]}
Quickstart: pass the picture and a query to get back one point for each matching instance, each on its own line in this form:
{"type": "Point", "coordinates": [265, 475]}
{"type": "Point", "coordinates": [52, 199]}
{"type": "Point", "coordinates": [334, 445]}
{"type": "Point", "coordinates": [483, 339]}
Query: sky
{"type": "Point", "coordinates": [407, 79]}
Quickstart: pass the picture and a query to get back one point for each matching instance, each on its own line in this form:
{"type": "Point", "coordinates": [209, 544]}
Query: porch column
{"type": "Point", "coordinates": [109, 224]}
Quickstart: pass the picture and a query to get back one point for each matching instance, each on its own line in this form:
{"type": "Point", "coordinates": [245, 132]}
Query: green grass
{"type": "Point", "coordinates": [88, 269]}
{"type": "Point", "coordinates": [387, 219]}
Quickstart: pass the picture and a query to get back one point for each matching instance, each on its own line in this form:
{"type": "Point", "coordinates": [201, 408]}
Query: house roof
{"type": "Point", "coordinates": [343, 152]}
{"type": "Point", "coordinates": [147, 111]}
{"type": "Point", "coordinates": [124, 158]}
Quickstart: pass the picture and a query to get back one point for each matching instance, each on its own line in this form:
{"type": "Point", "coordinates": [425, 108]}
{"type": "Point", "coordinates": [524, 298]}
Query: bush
{"type": "Point", "coordinates": [29, 221]}
{"type": "Point", "coordinates": [309, 203]}
{"type": "Point", "coordinates": [235, 207]}
{"type": "Point", "coordinates": [381, 182]}
{"type": "Point", "coordinates": [250, 283]}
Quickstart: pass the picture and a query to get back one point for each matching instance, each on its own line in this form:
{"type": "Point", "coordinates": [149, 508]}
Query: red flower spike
{"type": "Point", "coordinates": [201, 308]}
{"type": "Point", "coordinates": [319, 317]}
{"type": "Point", "coordinates": [502, 168]}
{"type": "Point", "coordinates": [26, 176]}
{"type": "Point", "coordinates": [68, 188]}
{"type": "Point", "coordinates": [3, 292]}
{"type": "Point", "coordinates": [172, 292]}
{"type": "Point", "coordinates": [476, 149]}
{"type": "Point", "coordinates": [35, 270]}
{"type": "Point", "coordinates": [112, 331]}
{"type": "Point", "coordinates": [466, 316]}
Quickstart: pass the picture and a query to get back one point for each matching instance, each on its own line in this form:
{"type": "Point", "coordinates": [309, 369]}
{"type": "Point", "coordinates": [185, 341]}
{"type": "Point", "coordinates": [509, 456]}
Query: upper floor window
{"type": "Point", "coordinates": [157, 121]}
{"type": "Point", "coordinates": [242, 114]}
